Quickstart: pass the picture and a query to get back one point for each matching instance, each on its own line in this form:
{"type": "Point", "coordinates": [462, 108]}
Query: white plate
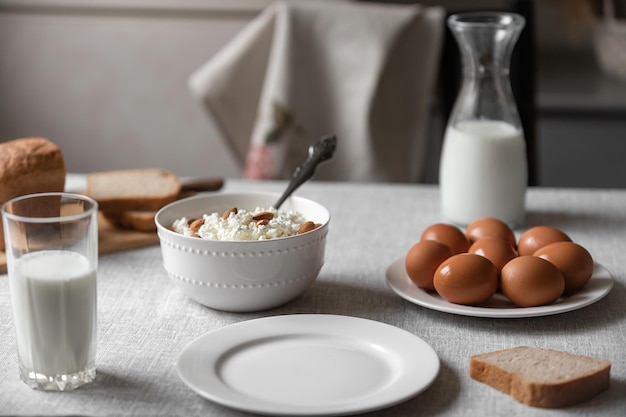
{"type": "Point", "coordinates": [498, 306]}
{"type": "Point", "coordinates": [308, 364]}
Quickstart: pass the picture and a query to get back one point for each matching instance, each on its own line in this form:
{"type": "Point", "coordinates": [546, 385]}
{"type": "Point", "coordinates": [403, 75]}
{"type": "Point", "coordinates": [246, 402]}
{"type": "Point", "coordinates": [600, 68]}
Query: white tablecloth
{"type": "Point", "coordinates": [144, 321]}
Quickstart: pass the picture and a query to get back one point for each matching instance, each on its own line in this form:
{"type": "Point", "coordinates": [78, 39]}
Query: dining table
{"type": "Point", "coordinates": [145, 322]}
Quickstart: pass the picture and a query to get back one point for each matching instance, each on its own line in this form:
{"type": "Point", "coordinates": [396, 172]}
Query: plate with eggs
{"type": "Point", "coordinates": [484, 271]}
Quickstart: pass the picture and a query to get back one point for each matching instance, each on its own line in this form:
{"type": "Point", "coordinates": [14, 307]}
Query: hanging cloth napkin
{"type": "Point", "coordinates": [299, 71]}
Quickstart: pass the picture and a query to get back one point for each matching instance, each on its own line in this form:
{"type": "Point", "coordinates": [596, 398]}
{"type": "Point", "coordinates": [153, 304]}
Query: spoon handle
{"type": "Point", "coordinates": [319, 152]}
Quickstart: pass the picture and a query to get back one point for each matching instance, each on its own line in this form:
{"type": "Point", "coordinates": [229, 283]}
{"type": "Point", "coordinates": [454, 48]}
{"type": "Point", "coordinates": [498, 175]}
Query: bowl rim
{"type": "Point", "coordinates": [161, 228]}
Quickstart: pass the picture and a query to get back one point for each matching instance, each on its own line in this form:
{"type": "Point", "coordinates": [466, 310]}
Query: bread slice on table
{"type": "Point", "coordinates": [27, 166]}
{"type": "Point", "coordinates": [542, 377]}
{"type": "Point", "coordinates": [146, 189]}
{"type": "Point", "coordinates": [142, 221]}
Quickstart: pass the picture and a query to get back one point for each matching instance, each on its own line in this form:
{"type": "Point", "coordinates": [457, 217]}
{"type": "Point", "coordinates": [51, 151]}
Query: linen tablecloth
{"type": "Point", "coordinates": [144, 321]}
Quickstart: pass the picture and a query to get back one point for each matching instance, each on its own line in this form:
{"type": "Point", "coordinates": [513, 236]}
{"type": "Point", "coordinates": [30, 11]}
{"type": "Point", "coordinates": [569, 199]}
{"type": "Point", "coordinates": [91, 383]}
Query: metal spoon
{"type": "Point", "coordinates": [320, 151]}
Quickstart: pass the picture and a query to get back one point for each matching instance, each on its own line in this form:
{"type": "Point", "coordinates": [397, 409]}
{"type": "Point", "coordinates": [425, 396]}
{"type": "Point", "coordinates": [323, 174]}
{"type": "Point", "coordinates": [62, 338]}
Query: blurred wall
{"type": "Point", "coordinates": [107, 80]}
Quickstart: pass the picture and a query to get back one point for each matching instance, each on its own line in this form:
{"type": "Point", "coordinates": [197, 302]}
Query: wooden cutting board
{"type": "Point", "coordinates": [110, 239]}
{"type": "Point", "coordinates": [114, 239]}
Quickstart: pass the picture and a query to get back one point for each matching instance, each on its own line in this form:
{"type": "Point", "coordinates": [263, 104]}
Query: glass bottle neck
{"type": "Point", "coordinates": [486, 41]}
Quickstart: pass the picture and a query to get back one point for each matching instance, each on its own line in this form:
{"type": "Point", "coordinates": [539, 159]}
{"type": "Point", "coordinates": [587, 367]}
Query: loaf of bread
{"type": "Point", "coordinates": [146, 189]}
{"type": "Point", "coordinates": [542, 377]}
{"type": "Point", "coordinates": [27, 166]}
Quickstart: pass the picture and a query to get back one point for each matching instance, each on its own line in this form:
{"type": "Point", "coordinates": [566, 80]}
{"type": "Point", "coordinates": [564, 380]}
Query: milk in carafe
{"type": "Point", "coordinates": [483, 172]}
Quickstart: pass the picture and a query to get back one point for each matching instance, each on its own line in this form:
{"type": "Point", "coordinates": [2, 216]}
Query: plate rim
{"type": "Point", "coordinates": [396, 272]}
{"type": "Point", "coordinates": [351, 326]}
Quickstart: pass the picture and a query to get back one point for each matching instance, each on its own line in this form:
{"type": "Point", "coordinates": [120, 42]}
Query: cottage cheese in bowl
{"type": "Point", "coordinates": [251, 260]}
{"type": "Point", "coordinates": [241, 225]}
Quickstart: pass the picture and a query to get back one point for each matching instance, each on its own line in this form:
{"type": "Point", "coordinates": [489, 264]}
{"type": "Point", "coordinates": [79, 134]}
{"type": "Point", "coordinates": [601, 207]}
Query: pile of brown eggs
{"type": "Point", "coordinates": [469, 267]}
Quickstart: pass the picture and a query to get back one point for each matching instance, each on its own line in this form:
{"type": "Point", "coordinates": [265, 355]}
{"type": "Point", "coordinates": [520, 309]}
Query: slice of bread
{"type": "Point", "coordinates": [133, 189]}
{"type": "Point", "coordinates": [142, 221]}
{"type": "Point", "coordinates": [542, 377]}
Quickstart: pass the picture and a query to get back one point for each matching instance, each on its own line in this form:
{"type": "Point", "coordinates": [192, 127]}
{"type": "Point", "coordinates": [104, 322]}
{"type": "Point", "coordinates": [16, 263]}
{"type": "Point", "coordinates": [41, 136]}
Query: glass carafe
{"type": "Point", "coordinates": [483, 170]}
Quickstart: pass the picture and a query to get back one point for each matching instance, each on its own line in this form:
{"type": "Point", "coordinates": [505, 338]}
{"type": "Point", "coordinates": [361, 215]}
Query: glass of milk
{"type": "Point", "coordinates": [52, 255]}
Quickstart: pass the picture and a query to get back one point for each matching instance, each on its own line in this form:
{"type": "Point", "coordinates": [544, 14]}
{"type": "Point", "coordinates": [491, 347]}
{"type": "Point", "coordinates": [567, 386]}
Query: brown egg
{"type": "Point", "coordinates": [447, 234]}
{"type": "Point", "coordinates": [574, 261]}
{"type": "Point", "coordinates": [466, 278]}
{"type": "Point", "coordinates": [530, 281]}
{"type": "Point", "coordinates": [539, 236]}
{"type": "Point", "coordinates": [495, 249]}
{"type": "Point", "coordinates": [490, 227]}
{"type": "Point", "coordinates": [423, 259]}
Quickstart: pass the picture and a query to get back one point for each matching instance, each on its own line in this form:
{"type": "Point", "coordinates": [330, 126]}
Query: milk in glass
{"type": "Point", "coordinates": [54, 304]}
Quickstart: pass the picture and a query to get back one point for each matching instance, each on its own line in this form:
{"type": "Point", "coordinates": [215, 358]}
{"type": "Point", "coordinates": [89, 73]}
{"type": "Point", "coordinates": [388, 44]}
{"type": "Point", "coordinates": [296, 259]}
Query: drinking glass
{"type": "Point", "coordinates": [52, 255]}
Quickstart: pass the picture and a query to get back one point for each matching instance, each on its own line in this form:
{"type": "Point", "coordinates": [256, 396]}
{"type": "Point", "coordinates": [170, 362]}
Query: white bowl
{"type": "Point", "coordinates": [242, 276]}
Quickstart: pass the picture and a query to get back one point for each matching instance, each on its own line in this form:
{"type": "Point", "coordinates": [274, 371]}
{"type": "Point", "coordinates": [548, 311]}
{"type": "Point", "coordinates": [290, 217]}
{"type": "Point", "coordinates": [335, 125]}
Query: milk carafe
{"type": "Point", "coordinates": [483, 170]}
